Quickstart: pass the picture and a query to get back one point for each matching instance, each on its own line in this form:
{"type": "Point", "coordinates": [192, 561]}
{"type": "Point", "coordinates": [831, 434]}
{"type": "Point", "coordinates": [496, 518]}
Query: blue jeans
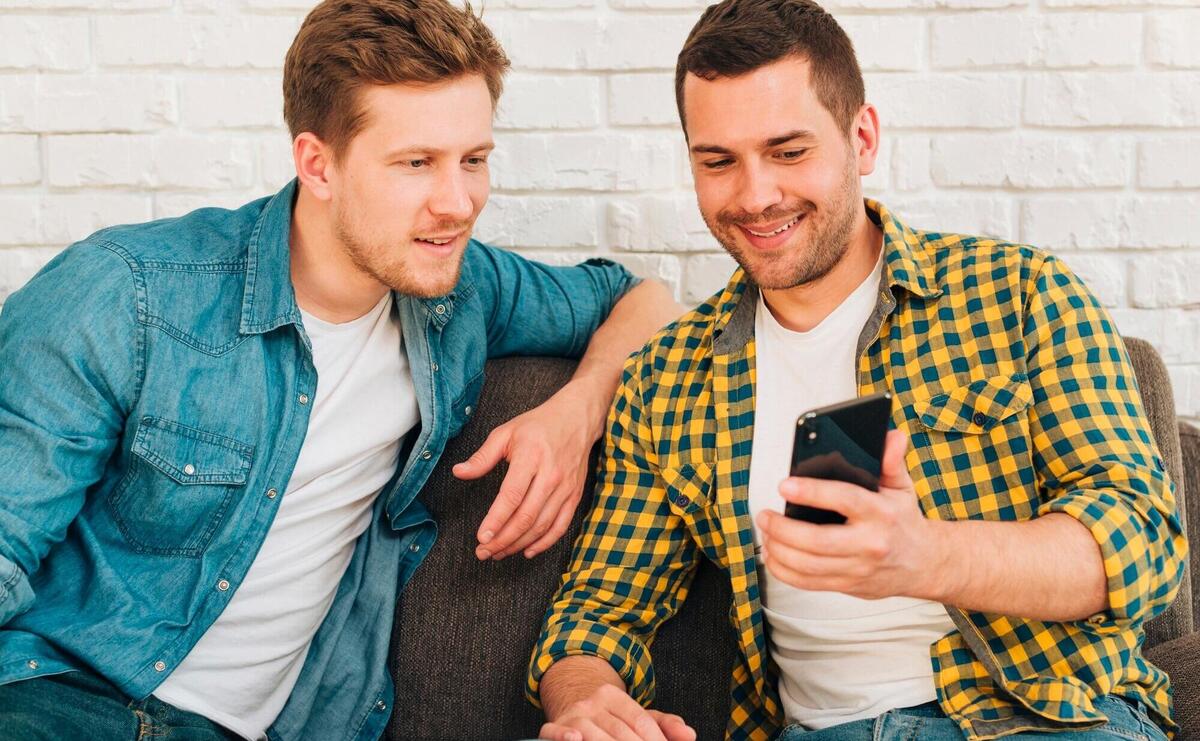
{"type": "Point", "coordinates": [82, 705]}
{"type": "Point", "coordinates": [1126, 720]}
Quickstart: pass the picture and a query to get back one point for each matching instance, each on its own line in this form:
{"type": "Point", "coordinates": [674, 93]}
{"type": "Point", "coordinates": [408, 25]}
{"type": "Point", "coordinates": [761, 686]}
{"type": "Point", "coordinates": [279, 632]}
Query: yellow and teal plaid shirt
{"type": "Point", "coordinates": [1019, 399]}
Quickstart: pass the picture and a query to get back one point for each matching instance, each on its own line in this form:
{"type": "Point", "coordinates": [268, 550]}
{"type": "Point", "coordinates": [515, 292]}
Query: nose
{"type": "Point", "coordinates": [451, 198]}
{"type": "Point", "coordinates": [758, 189]}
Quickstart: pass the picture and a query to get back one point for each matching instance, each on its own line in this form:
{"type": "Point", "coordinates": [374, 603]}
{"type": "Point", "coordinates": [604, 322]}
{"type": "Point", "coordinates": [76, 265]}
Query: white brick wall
{"type": "Point", "coordinates": [1070, 124]}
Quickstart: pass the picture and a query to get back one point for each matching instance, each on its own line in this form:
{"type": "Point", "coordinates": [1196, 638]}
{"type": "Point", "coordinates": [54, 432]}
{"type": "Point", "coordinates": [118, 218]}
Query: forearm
{"type": "Point", "coordinates": [645, 309]}
{"type": "Point", "coordinates": [572, 679]}
{"type": "Point", "coordinates": [1049, 568]}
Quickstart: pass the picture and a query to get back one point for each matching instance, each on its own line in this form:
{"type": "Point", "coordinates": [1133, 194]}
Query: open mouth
{"type": "Point", "coordinates": [772, 233]}
{"type": "Point", "coordinates": [769, 239]}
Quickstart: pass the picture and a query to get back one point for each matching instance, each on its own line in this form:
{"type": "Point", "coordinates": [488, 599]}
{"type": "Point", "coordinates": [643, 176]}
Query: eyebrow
{"type": "Point", "coordinates": [774, 141]}
{"type": "Point", "coordinates": [426, 150]}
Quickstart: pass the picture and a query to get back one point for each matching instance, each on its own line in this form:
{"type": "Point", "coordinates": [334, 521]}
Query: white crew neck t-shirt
{"type": "Point", "coordinates": [840, 658]}
{"type": "Point", "coordinates": [244, 667]}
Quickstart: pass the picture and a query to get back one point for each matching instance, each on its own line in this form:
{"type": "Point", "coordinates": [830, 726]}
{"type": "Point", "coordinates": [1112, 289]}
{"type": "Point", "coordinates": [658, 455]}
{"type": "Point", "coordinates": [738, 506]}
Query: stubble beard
{"type": "Point", "coordinates": [387, 265]}
{"type": "Point", "coordinates": [809, 261]}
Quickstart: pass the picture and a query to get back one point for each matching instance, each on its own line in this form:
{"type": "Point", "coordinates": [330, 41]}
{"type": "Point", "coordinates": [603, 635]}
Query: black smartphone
{"type": "Point", "coordinates": [843, 442]}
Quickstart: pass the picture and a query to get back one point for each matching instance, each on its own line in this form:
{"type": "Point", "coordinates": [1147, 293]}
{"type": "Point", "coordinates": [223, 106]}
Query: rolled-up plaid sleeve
{"type": "Point", "coordinates": [1094, 452]}
{"type": "Point", "coordinates": [633, 562]}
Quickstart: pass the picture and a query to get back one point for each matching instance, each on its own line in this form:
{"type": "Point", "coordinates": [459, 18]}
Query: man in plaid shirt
{"type": "Point", "coordinates": [1024, 530]}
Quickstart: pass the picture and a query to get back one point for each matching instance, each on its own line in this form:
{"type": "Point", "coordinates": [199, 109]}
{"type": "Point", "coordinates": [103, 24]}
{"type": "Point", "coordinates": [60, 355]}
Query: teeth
{"type": "Point", "coordinates": [438, 242]}
{"type": "Point", "coordinates": [777, 231]}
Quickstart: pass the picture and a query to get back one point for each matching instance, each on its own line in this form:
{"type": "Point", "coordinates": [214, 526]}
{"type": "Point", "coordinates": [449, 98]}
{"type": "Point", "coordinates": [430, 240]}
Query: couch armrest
{"type": "Point", "coordinates": [1180, 659]}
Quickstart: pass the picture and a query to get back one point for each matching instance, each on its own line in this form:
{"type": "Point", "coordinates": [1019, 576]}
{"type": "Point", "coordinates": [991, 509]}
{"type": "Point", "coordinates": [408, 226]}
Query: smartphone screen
{"type": "Point", "coordinates": [843, 442]}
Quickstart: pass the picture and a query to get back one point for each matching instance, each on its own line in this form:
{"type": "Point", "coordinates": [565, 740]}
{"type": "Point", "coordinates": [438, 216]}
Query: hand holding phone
{"type": "Point", "coordinates": [843, 442]}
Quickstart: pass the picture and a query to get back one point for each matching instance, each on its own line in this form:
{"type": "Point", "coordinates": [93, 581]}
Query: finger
{"type": "Point", "coordinates": [637, 728]}
{"type": "Point", "coordinates": [893, 470]}
{"type": "Point", "coordinates": [839, 496]}
{"type": "Point", "coordinates": [809, 564]}
{"type": "Point", "coordinates": [486, 457]}
{"type": "Point", "coordinates": [804, 581]}
{"type": "Point", "coordinates": [523, 520]}
{"type": "Point", "coordinates": [558, 529]}
{"type": "Point", "coordinates": [824, 540]}
{"type": "Point", "coordinates": [512, 493]}
{"type": "Point", "coordinates": [673, 727]}
{"type": "Point", "coordinates": [545, 520]}
{"type": "Point", "coordinates": [634, 717]}
{"type": "Point", "coordinates": [558, 732]}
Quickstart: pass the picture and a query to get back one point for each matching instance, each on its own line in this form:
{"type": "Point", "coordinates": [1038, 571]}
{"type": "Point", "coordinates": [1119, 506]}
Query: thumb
{"type": "Point", "coordinates": [893, 470]}
{"type": "Point", "coordinates": [673, 727]}
{"type": "Point", "coordinates": [484, 459]}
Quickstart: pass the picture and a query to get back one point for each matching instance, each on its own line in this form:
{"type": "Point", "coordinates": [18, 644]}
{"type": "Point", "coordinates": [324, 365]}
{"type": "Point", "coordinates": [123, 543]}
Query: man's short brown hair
{"type": "Point", "coordinates": [345, 45]}
{"type": "Point", "coordinates": [735, 37]}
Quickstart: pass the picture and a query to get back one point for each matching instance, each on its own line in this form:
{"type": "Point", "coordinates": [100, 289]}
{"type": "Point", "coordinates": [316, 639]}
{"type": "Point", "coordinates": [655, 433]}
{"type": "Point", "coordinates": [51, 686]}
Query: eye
{"type": "Point", "coordinates": [791, 154]}
{"type": "Point", "coordinates": [415, 164]}
{"type": "Point", "coordinates": [475, 161]}
{"type": "Point", "coordinates": [717, 164]}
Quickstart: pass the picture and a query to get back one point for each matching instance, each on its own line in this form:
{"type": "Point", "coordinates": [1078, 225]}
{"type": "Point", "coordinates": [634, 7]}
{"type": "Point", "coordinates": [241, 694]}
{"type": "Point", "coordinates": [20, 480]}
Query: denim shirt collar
{"type": "Point", "coordinates": [269, 301]}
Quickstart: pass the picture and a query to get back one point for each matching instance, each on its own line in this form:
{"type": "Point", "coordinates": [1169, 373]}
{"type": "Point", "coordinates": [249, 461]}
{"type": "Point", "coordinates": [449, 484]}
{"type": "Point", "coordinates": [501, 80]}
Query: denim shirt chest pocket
{"type": "Point", "coordinates": [974, 442]}
{"type": "Point", "coordinates": [178, 485]}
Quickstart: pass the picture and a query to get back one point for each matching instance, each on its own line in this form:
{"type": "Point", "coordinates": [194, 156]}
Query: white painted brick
{"type": "Point", "coordinates": [664, 268]}
{"type": "Point", "coordinates": [1164, 280]}
{"type": "Point", "coordinates": [891, 43]}
{"type": "Point", "coordinates": [992, 217]}
{"type": "Point", "coordinates": [19, 264]}
{"type": "Point", "coordinates": [658, 224]}
{"type": "Point", "coordinates": [258, 41]}
{"type": "Point", "coordinates": [1117, 3]}
{"type": "Point", "coordinates": [570, 222]}
{"type": "Point", "coordinates": [537, 5]}
{"type": "Point", "coordinates": [19, 215]}
{"type": "Point", "coordinates": [620, 42]}
{"type": "Point", "coordinates": [1172, 39]}
{"type": "Point", "coordinates": [1145, 325]}
{"type": "Point", "coordinates": [1068, 40]}
{"type": "Point", "coordinates": [1169, 162]}
{"type": "Point", "coordinates": [182, 161]}
{"type": "Point", "coordinates": [1106, 275]}
{"type": "Point", "coordinates": [642, 99]}
{"type": "Point", "coordinates": [1185, 382]}
{"type": "Point", "coordinates": [586, 161]}
{"type": "Point", "coordinates": [1111, 222]}
{"type": "Point", "coordinates": [549, 102]}
{"type": "Point", "coordinates": [1183, 329]}
{"type": "Point", "coordinates": [275, 162]}
{"type": "Point", "coordinates": [912, 158]}
{"type": "Point", "coordinates": [43, 42]}
{"type": "Point", "coordinates": [659, 4]}
{"type": "Point", "coordinates": [299, 5]}
{"type": "Point", "coordinates": [69, 217]}
{"type": "Point", "coordinates": [1112, 99]}
{"type": "Point", "coordinates": [1031, 161]}
{"type": "Point", "coordinates": [936, 101]}
{"type": "Point", "coordinates": [705, 275]}
{"type": "Point", "coordinates": [104, 103]}
{"type": "Point", "coordinates": [43, 5]}
{"type": "Point", "coordinates": [231, 101]}
{"type": "Point", "coordinates": [22, 160]}
{"type": "Point", "coordinates": [167, 205]}
{"type": "Point", "coordinates": [18, 103]}
{"type": "Point", "coordinates": [910, 5]}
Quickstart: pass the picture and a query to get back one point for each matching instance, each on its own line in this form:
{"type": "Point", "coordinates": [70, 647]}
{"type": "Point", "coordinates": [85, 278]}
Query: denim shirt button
{"type": "Point", "coordinates": [33, 664]}
{"type": "Point", "coordinates": [467, 410]}
{"type": "Point", "coordinates": [426, 455]}
{"type": "Point", "coordinates": [440, 308]}
{"type": "Point", "coordinates": [223, 585]}
{"type": "Point", "coordinates": [303, 398]}
{"type": "Point", "coordinates": [160, 666]}
{"type": "Point", "coordinates": [414, 547]}
{"type": "Point", "coordinates": [189, 469]}
{"type": "Point", "coordinates": [381, 706]}
{"type": "Point", "coordinates": [435, 367]}
{"type": "Point", "coordinates": [272, 493]}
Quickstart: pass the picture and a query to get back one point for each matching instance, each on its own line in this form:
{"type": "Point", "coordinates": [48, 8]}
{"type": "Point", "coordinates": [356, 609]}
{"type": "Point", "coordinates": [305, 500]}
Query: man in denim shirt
{"type": "Point", "coordinates": [213, 428]}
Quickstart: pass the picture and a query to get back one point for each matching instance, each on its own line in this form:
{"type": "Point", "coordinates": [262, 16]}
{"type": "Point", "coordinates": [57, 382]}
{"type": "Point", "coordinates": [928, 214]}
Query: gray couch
{"type": "Point", "coordinates": [464, 629]}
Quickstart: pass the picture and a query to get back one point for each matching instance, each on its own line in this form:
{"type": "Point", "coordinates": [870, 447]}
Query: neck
{"type": "Point", "coordinates": [328, 284]}
{"type": "Point", "coordinates": [800, 308]}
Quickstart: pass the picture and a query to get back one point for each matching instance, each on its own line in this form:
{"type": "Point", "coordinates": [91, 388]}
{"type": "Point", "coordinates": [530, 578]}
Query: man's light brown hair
{"type": "Point", "coordinates": [735, 37]}
{"type": "Point", "coordinates": [344, 45]}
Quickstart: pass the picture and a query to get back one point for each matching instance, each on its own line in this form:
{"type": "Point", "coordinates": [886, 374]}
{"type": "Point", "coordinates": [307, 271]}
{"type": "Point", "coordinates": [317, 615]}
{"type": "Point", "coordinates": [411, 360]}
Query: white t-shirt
{"type": "Point", "coordinates": [840, 658]}
{"type": "Point", "coordinates": [244, 667]}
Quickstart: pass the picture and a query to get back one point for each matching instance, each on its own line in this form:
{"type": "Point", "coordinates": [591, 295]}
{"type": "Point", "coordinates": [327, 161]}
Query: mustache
{"type": "Point", "coordinates": [444, 227]}
{"type": "Point", "coordinates": [766, 216]}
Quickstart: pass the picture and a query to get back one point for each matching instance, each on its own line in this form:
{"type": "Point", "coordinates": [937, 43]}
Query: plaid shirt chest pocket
{"type": "Point", "coordinates": [690, 491]}
{"type": "Point", "coordinates": [973, 442]}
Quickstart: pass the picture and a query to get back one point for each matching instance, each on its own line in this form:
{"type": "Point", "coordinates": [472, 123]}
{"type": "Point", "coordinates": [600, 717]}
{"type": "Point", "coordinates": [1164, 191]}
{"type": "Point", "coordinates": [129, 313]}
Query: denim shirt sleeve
{"type": "Point", "coordinates": [70, 352]}
{"type": "Point", "coordinates": [537, 309]}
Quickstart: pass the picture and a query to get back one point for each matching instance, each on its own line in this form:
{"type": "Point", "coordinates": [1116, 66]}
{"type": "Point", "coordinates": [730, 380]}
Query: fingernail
{"type": "Point", "coordinates": [483, 554]}
{"type": "Point", "coordinates": [529, 554]}
{"type": "Point", "coordinates": [486, 536]}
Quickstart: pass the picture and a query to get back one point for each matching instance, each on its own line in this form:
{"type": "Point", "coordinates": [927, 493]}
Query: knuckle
{"type": "Point", "coordinates": [524, 520]}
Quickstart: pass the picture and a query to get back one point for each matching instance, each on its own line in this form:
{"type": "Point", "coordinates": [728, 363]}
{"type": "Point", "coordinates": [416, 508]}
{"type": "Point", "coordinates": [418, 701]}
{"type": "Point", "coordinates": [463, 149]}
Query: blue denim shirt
{"type": "Point", "coordinates": [155, 388]}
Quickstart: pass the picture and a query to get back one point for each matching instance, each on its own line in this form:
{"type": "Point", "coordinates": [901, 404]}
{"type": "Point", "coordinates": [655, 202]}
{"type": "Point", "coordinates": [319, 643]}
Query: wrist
{"type": "Point", "coordinates": [941, 564]}
{"type": "Point", "coordinates": [594, 399]}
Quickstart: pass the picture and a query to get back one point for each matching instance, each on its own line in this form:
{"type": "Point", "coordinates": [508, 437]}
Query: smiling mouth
{"type": "Point", "coordinates": [780, 230]}
{"type": "Point", "coordinates": [439, 241]}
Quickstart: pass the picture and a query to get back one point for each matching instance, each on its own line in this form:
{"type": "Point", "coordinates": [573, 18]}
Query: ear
{"type": "Point", "coordinates": [314, 164]}
{"type": "Point", "coordinates": [864, 138]}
